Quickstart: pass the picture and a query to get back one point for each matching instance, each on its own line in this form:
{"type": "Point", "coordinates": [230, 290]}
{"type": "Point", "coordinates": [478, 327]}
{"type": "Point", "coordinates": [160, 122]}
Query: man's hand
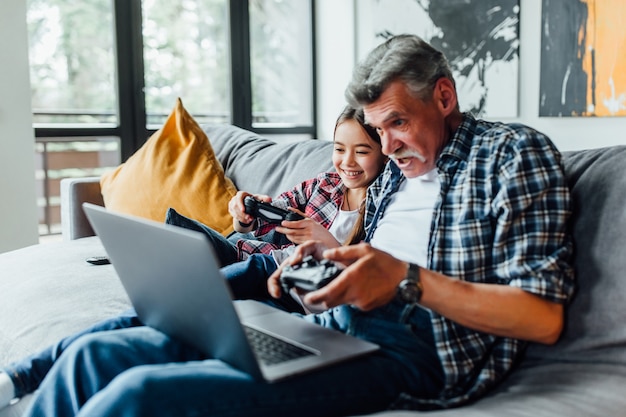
{"type": "Point", "coordinates": [369, 280]}
{"type": "Point", "coordinates": [313, 248]}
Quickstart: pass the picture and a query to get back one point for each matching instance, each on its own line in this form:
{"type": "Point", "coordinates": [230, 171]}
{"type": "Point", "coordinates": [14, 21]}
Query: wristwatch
{"type": "Point", "coordinates": [410, 288]}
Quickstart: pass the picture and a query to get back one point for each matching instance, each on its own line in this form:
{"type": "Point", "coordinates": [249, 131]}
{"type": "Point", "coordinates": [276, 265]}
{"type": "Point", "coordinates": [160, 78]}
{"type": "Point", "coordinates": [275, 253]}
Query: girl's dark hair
{"type": "Point", "coordinates": [351, 113]}
{"type": "Point", "coordinates": [357, 234]}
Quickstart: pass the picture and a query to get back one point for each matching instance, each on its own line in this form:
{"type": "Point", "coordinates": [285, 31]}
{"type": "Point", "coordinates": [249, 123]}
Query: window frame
{"type": "Point", "coordinates": [131, 128]}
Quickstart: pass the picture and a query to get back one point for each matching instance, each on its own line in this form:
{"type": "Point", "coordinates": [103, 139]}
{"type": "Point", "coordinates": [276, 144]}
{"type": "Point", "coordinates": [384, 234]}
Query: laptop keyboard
{"type": "Point", "coordinates": [271, 350]}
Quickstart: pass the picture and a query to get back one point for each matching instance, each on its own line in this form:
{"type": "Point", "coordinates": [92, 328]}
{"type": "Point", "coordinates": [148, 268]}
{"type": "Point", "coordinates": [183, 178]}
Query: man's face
{"type": "Point", "coordinates": [413, 132]}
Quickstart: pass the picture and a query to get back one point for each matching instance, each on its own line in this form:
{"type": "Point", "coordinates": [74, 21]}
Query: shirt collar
{"type": "Point", "coordinates": [459, 146]}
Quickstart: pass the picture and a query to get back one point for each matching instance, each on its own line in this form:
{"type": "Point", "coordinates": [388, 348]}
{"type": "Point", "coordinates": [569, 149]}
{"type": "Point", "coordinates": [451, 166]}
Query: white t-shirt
{"type": "Point", "coordinates": [404, 230]}
{"type": "Point", "coordinates": [343, 225]}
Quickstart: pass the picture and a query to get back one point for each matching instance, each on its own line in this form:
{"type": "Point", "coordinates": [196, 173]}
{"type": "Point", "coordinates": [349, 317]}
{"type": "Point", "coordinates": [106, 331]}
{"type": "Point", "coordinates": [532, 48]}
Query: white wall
{"type": "Point", "coordinates": [18, 212]}
{"type": "Point", "coordinates": [336, 57]}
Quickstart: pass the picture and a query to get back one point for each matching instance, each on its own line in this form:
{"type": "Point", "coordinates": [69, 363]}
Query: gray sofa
{"type": "Point", "coordinates": [47, 291]}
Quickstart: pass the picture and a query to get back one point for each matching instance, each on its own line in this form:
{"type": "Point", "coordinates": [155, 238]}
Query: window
{"type": "Point", "coordinates": [106, 73]}
{"type": "Point", "coordinates": [281, 63]}
{"type": "Point", "coordinates": [186, 54]}
{"type": "Point", "coordinates": [72, 71]}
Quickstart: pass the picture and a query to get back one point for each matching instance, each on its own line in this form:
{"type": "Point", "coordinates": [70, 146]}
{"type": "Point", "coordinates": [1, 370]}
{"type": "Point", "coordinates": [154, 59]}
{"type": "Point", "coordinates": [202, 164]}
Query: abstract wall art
{"type": "Point", "coordinates": [480, 38]}
{"type": "Point", "coordinates": [583, 58]}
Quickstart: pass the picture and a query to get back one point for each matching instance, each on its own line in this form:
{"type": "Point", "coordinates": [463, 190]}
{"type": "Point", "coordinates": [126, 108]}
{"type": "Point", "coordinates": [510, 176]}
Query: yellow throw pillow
{"type": "Point", "coordinates": [176, 168]}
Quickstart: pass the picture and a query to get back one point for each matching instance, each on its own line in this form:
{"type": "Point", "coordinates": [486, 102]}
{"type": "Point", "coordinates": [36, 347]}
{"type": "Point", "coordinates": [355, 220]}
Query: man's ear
{"type": "Point", "coordinates": [445, 94]}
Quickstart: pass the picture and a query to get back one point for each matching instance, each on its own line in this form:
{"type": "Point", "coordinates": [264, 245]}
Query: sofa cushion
{"type": "Point", "coordinates": [176, 168]}
{"type": "Point", "coordinates": [595, 329]}
{"type": "Point", "coordinates": [549, 389]}
{"type": "Point", "coordinates": [49, 291]}
{"type": "Point", "coordinates": [259, 165]}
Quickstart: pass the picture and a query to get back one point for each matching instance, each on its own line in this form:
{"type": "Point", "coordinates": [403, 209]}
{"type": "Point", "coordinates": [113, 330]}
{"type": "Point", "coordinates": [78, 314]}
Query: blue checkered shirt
{"type": "Point", "coordinates": [501, 218]}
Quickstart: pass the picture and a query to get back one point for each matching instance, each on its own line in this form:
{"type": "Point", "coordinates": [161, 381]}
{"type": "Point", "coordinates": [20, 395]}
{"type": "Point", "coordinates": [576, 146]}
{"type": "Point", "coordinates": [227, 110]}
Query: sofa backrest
{"type": "Point", "coordinates": [596, 319]}
{"type": "Point", "coordinates": [259, 165]}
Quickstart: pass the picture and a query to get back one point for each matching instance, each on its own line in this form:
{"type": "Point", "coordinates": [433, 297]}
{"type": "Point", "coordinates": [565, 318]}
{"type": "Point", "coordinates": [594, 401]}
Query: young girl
{"type": "Point", "coordinates": [330, 202]}
{"type": "Point", "coordinates": [332, 206]}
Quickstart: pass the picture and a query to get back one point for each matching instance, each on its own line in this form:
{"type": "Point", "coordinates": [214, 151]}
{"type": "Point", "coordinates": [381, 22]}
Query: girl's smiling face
{"type": "Point", "coordinates": [357, 158]}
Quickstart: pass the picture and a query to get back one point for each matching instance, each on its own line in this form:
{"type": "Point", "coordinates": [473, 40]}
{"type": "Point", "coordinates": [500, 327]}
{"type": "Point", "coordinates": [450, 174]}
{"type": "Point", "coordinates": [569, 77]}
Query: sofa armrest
{"type": "Point", "coordinates": [74, 192]}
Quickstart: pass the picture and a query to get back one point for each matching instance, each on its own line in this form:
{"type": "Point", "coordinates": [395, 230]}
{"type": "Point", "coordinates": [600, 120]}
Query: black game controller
{"type": "Point", "coordinates": [309, 275]}
{"type": "Point", "coordinates": [268, 212]}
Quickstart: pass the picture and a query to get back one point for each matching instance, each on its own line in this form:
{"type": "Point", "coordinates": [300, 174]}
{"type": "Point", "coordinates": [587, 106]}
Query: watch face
{"type": "Point", "coordinates": [410, 292]}
{"type": "Point", "coordinates": [410, 288]}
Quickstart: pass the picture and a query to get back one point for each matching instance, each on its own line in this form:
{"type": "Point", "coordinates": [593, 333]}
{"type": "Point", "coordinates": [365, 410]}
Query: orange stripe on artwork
{"type": "Point", "coordinates": [605, 57]}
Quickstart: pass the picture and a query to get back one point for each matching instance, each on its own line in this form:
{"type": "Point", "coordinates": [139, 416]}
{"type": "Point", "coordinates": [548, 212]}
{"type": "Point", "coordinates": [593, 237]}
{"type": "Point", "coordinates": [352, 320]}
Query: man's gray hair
{"type": "Point", "coordinates": [403, 57]}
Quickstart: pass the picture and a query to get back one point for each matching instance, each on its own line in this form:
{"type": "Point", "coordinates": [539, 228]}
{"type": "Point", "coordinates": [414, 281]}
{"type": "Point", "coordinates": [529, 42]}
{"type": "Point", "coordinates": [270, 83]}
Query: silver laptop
{"type": "Point", "coordinates": [174, 283]}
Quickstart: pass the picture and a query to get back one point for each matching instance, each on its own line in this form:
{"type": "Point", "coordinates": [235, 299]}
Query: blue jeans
{"type": "Point", "coordinates": [247, 280]}
{"type": "Point", "coordinates": [142, 372]}
{"type": "Point", "coordinates": [225, 249]}
{"type": "Point", "coordinates": [28, 373]}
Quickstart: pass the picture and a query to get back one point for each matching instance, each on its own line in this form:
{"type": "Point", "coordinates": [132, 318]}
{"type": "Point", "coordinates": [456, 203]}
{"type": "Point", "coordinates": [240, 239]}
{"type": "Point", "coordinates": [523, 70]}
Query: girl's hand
{"type": "Point", "coordinates": [242, 221]}
{"type": "Point", "coordinates": [299, 231]}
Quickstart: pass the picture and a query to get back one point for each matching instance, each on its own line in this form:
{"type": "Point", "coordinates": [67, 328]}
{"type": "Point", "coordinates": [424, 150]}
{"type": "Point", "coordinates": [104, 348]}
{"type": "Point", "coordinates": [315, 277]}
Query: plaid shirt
{"type": "Point", "coordinates": [320, 198]}
{"type": "Point", "coordinates": [501, 218]}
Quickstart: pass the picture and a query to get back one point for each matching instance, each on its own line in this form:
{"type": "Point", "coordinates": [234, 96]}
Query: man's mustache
{"type": "Point", "coordinates": [407, 153]}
